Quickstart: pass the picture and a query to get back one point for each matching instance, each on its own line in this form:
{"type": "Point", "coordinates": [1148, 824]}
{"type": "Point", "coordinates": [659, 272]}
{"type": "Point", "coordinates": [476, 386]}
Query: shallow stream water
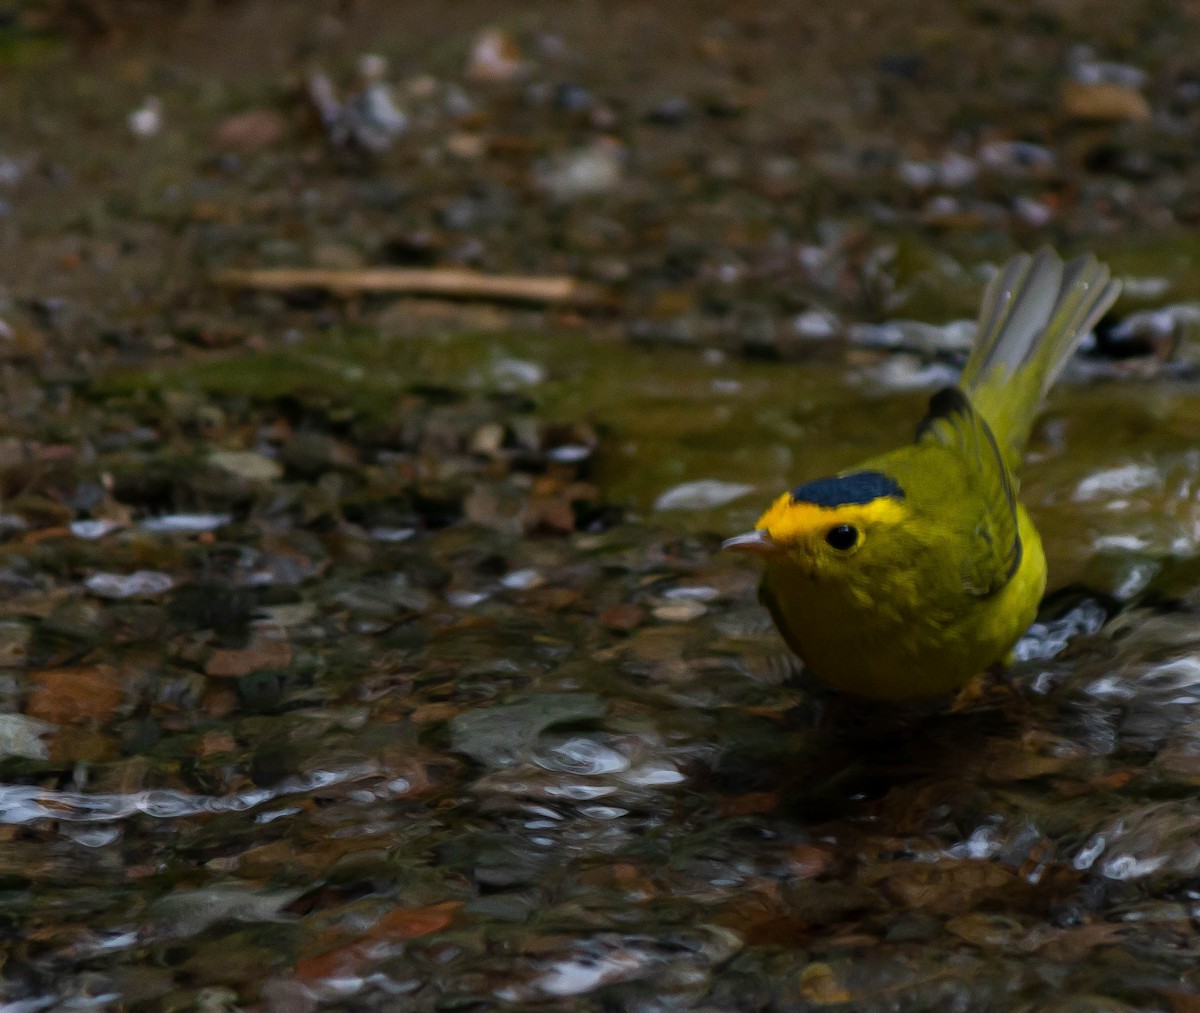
{"type": "Point", "coordinates": [365, 654]}
{"type": "Point", "coordinates": [337, 755]}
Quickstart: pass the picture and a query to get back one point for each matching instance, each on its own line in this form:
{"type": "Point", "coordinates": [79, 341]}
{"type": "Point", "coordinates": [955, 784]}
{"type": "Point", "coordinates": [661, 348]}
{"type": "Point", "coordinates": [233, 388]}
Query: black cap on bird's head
{"type": "Point", "coordinates": [856, 488]}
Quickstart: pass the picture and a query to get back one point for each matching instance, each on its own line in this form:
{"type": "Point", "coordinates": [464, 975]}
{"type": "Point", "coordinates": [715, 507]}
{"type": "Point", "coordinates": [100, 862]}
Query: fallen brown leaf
{"type": "Point", "coordinates": [401, 924]}
{"type": "Point", "coordinates": [65, 696]}
{"type": "Point", "coordinates": [413, 922]}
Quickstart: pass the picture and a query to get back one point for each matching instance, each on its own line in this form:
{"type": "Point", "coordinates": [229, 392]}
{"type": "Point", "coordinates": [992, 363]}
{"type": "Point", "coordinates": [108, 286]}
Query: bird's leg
{"type": "Point", "coordinates": [970, 696]}
{"type": "Point", "coordinates": [978, 689]}
{"type": "Point", "coordinates": [1001, 675]}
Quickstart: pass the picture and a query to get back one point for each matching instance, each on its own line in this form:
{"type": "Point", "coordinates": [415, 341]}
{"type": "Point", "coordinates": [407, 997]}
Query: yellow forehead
{"type": "Point", "coordinates": [786, 521]}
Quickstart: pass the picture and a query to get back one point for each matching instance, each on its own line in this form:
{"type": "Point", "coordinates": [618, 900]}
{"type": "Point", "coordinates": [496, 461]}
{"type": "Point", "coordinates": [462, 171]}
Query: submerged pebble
{"type": "Point", "coordinates": [702, 494]}
{"type": "Point", "coordinates": [186, 524]}
{"type": "Point", "coordinates": [680, 611]}
{"type": "Point", "coordinates": [92, 529]}
{"type": "Point", "coordinates": [140, 584]}
{"type": "Point", "coordinates": [24, 736]}
{"type": "Point", "coordinates": [247, 464]}
{"type": "Point", "coordinates": [590, 171]}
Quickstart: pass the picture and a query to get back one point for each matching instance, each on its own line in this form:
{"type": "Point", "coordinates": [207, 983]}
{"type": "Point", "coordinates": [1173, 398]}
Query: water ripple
{"type": "Point", "coordinates": [25, 803]}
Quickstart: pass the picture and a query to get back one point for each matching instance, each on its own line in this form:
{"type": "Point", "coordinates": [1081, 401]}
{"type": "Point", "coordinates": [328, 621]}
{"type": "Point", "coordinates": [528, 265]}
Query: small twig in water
{"type": "Point", "coordinates": [446, 282]}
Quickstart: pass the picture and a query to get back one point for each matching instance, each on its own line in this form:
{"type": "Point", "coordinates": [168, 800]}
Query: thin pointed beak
{"type": "Point", "coordinates": [752, 541]}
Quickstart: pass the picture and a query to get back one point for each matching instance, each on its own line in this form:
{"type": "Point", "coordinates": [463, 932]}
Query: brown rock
{"type": "Point", "coordinates": [623, 617]}
{"type": "Point", "coordinates": [552, 513]}
{"type": "Point", "coordinates": [214, 742]}
{"type": "Point", "coordinates": [253, 130]}
{"type": "Point", "coordinates": [233, 664]}
{"type": "Point", "coordinates": [1104, 102]}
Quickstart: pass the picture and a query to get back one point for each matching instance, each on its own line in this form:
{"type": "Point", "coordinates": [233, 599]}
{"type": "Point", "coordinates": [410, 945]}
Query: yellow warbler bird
{"type": "Point", "coordinates": [905, 577]}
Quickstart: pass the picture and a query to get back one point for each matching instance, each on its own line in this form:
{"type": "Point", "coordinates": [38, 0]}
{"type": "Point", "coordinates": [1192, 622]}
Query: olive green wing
{"type": "Point", "coordinates": [996, 550]}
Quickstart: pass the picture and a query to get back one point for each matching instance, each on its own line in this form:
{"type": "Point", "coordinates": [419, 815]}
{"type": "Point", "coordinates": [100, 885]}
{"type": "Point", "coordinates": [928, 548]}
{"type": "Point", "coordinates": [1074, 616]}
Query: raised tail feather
{"type": "Point", "coordinates": [1034, 314]}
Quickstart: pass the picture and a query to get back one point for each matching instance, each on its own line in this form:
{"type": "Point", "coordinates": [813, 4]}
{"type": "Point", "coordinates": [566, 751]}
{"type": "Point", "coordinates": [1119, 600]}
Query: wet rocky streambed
{"type": "Point", "coordinates": [366, 653]}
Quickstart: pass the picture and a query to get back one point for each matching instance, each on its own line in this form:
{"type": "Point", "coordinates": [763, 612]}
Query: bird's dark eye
{"type": "Point", "coordinates": [843, 537]}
